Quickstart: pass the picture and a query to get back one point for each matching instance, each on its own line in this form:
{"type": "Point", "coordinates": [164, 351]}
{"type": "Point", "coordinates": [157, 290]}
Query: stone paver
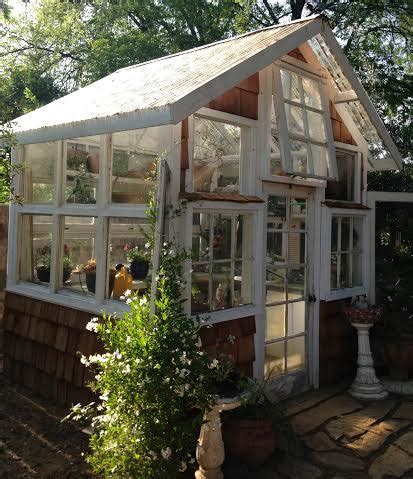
{"type": "Point", "coordinates": [338, 461]}
{"type": "Point", "coordinates": [299, 469]}
{"type": "Point", "coordinates": [406, 442]}
{"type": "Point", "coordinates": [311, 419]}
{"type": "Point", "coordinates": [394, 462]}
{"type": "Point", "coordinates": [355, 424]}
{"type": "Point", "coordinates": [404, 411]}
{"type": "Point", "coordinates": [320, 442]}
{"type": "Point", "coordinates": [375, 437]}
{"type": "Point", "coordinates": [312, 398]}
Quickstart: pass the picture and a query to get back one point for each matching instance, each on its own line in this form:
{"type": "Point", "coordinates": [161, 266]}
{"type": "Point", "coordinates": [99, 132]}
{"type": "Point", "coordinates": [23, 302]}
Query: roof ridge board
{"type": "Point", "coordinates": [208, 45]}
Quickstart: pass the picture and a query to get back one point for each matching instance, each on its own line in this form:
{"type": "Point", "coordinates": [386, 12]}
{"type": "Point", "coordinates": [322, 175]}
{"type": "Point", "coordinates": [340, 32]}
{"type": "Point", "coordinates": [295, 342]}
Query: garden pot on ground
{"type": "Point", "coordinates": [252, 441]}
{"type": "Point", "coordinates": [139, 269]}
{"type": "Point", "coordinates": [91, 282]}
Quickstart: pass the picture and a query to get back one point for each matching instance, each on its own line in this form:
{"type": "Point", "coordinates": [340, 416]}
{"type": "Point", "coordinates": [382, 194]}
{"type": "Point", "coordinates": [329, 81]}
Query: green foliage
{"type": "Point", "coordinates": [8, 171]}
{"type": "Point", "coordinates": [136, 254]}
{"type": "Point", "coordinates": [401, 180]}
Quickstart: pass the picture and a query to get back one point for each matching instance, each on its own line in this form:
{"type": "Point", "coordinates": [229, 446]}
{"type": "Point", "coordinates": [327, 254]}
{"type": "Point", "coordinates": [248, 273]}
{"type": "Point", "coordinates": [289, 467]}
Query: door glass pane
{"type": "Point", "coordinates": [296, 283]}
{"type": "Point", "coordinates": [35, 252]}
{"type": "Point", "coordinates": [275, 322]}
{"type": "Point", "coordinates": [276, 247]}
{"type": "Point", "coordinates": [290, 85]}
{"type": "Point", "coordinates": [296, 248]}
{"type": "Point", "coordinates": [274, 359]}
{"type": "Point", "coordinates": [296, 318]}
{"type": "Point", "coordinates": [334, 271]}
{"type": "Point", "coordinates": [298, 209]}
{"type": "Point", "coordinates": [316, 126]}
{"type": "Point", "coordinates": [275, 284]}
{"type": "Point", "coordinates": [38, 173]}
{"type": "Point", "coordinates": [311, 92]}
{"type": "Point", "coordinates": [299, 155]}
{"type": "Point", "coordinates": [79, 239]}
{"type": "Point", "coordinates": [242, 283]}
{"type": "Point", "coordinates": [277, 212]}
{"type": "Point", "coordinates": [217, 148]}
{"type": "Point", "coordinates": [82, 170]}
{"type": "Point", "coordinates": [295, 120]}
{"type": "Point", "coordinates": [334, 234]}
{"type": "Point", "coordinates": [357, 233]}
{"type": "Point", "coordinates": [319, 160]}
{"type": "Point", "coordinates": [344, 270]}
{"type": "Point", "coordinates": [296, 353]}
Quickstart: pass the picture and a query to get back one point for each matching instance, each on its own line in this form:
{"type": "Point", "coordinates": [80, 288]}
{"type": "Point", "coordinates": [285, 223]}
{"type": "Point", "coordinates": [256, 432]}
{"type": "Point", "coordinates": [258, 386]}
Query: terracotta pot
{"type": "Point", "coordinates": [252, 441]}
{"type": "Point", "coordinates": [399, 358]}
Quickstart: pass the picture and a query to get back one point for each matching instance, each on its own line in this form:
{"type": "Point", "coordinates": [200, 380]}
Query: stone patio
{"type": "Point", "coordinates": [343, 438]}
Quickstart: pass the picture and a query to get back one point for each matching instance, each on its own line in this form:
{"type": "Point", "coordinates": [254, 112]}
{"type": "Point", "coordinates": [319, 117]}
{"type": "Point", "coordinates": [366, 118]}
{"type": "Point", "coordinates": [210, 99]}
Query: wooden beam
{"type": "Point", "coordinates": [345, 97]}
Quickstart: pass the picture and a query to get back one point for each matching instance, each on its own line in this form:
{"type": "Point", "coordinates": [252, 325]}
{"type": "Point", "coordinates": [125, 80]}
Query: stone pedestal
{"type": "Point", "coordinates": [210, 452]}
{"type": "Point", "coordinates": [366, 386]}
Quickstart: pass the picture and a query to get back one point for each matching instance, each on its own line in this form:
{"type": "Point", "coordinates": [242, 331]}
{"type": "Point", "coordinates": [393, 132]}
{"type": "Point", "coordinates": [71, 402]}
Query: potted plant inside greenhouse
{"type": "Point", "coordinates": [90, 272]}
{"type": "Point", "coordinates": [43, 261]}
{"type": "Point", "coordinates": [139, 262]}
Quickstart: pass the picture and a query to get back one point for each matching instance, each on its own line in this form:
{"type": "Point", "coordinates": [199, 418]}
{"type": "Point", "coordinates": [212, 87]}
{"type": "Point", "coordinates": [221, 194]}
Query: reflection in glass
{"type": "Point", "coordinates": [200, 302]}
{"type": "Point", "coordinates": [300, 156]}
{"type": "Point", "coordinates": [277, 247]}
{"type": "Point", "coordinates": [274, 359]}
{"type": "Point", "coordinates": [290, 85]}
{"type": "Point", "coordinates": [221, 286]}
{"type": "Point", "coordinates": [296, 318]}
{"type": "Point", "coordinates": [217, 147]}
{"type": "Point", "coordinates": [242, 288]}
{"type": "Point", "coordinates": [295, 119]}
{"type": "Point", "coordinates": [296, 283]}
{"type": "Point", "coordinates": [311, 92]}
{"type": "Point", "coordinates": [275, 322]}
{"type": "Point", "coordinates": [38, 174]}
{"type": "Point", "coordinates": [221, 240]}
{"type": "Point", "coordinates": [319, 154]}
{"type": "Point", "coordinates": [316, 126]}
{"type": "Point", "coordinates": [275, 284]}
{"type": "Point", "coordinates": [357, 278]}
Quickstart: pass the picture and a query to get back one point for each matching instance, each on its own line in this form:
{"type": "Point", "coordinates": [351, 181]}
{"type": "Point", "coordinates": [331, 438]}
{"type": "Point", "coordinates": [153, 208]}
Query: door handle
{"type": "Point", "coordinates": [312, 298]}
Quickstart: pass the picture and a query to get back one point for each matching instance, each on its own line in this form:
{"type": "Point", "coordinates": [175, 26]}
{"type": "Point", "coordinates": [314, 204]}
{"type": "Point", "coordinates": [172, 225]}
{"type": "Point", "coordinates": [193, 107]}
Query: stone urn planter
{"type": "Point", "coordinates": [366, 386]}
{"type": "Point", "coordinates": [210, 452]}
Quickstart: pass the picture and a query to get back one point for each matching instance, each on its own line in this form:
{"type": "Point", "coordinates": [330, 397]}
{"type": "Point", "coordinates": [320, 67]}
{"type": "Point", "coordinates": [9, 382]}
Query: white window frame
{"type": "Point", "coordinates": [327, 294]}
{"type": "Point", "coordinates": [103, 210]}
{"type": "Point", "coordinates": [247, 173]}
{"type": "Point", "coordinates": [284, 136]}
{"type": "Point", "coordinates": [256, 210]}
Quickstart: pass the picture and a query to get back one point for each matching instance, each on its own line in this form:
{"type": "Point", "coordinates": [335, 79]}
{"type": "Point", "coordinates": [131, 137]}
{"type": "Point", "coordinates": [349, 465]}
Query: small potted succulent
{"type": "Point", "coordinates": [90, 272]}
{"type": "Point", "coordinates": [139, 261]}
{"type": "Point", "coordinates": [43, 262]}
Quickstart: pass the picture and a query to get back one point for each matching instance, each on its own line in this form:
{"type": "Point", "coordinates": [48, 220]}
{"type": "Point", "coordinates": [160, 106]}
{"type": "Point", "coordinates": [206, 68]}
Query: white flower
{"type": "Point", "coordinates": [153, 455]}
{"type": "Point", "coordinates": [147, 245]}
{"type": "Point", "coordinates": [104, 397]}
{"type": "Point", "coordinates": [214, 364]}
{"type": "Point", "coordinates": [84, 360]}
{"type": "Point", "coordinates": [128, 340]}
{"type": "Point", "coordinates": [128, 301]}
{"type": "Point", "coordinates": [126, 369]}
{"type": "Point", "coordinates": [231, 339]}
{"type": "Point", "coordinates": [183, 467]}
{"type": "Point", "coordinates": [92, 326]}
{"type": "Point", "coordinates": [166, 453]}
{"type": "Point", "coordinates": [143, 301]}
{"type": "Point", "coordinates": [127, 293]}
{"type": "Point", "coordinates": [180, 391]}
{"type": "Point", "coordinates": [166, 380]}
{"type": "Point", "coordinates": [199, 342]}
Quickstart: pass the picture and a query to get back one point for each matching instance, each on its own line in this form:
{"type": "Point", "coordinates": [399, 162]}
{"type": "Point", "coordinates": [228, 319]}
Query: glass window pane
{"type": "Point", "coordinates": [39, 168]}
{"type": "Point", "coordinates": [275, 163]}
{"type": "Point", "coordinates": [221, 286]}
{"type": "Point", "coordinates": [357, 278]}
{"type": "Point", "coordinates": [296, 283]}
{"type": "Point", "coordinates": [296, 318]}
{"type": "Point", "coordinates": [134, 164]}
{"type": "Point", "coordinates": [344, 281]}
{"type": "Point", "coordinates": [334, 234]}
{"type": "Point", "coordinates": [296, 247]}
{"type": "Point", "coordinates": [221, 240]}
{"type": "Point", "coordinates": [277, 212]}
{"type": "Point", "coordinates": [343, 188]}
{"type": "Point", "coordinates": [319, 154]}
{"type": "Point", "coordinates": [79, 241]}
{"type": "Point", "coordinates": [217, 147]}
{"type": "Point", "coordinates": [334, 271]}
{"type": "Point", "coordinates": [128, 256]}
{"type": "Point", "coordinates": [200, 236]}
{"type": "Point", "coordinates": [290, 85]}
{"type": "Point", "coordinates": [311, 92]}
{"type": "Point", "coordinates": [200, 289]}
{"type": "Point", "coordinates": [316, 126]}
{"type": "Point", "coordinates": [295, 121]}
{"type": "Point", "coordinates": [345, 233]}
{"type": "Point", "coordinates": [242, 283]}
{"type": "Point", "coordinates": [275, 322]}
{"type": "Point", "coordinates": [276, 247]}
{"type": "Point", "coordinates": [298, 208]}
{"type": "Point", "coordinates": [35, 250]}
{"type": "Point", "coordinates": [82, 170]}
{"type": "Point", "coordinates": [296, 353]}
{"type": "Point", "coordinates": [357, 233]}
{"type": "Point", "coordinates": [274, 359]}
{"type": "Point", "coordinates": [275, 284]}
{"type": "Point", "coordinates": [300, 156]}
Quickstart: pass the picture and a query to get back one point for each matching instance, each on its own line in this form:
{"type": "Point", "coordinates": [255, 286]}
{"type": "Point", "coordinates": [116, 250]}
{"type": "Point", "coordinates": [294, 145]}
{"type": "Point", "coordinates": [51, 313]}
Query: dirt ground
{"type": "Point", "coordinates": [33, 440]}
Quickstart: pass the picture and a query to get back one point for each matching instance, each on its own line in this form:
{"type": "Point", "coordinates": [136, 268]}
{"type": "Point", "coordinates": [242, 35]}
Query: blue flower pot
{"type": "Point", "coordinates": [139, 269]}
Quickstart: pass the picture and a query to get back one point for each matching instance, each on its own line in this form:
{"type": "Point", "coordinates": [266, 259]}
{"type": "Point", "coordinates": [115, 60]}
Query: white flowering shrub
{"type": "Point", "coordinates": [154, 383]}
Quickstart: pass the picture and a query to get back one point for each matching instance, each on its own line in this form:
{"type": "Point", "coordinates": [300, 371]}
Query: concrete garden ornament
{"type": "Point", "coordinates": [366, 386]}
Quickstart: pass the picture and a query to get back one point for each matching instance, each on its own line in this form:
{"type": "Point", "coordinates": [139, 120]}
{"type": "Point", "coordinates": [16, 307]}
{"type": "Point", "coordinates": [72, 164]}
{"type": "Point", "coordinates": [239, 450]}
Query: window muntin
{"type": "Point", "coordinates": [39, 169]}
{"type": "Point", "coordinates": [134, 156]}
{"type": "Point", "coordinates": [82, 164]}
{"type": "Point", "coordinates": [221, 261]}
{"type": "Point", "coordinates": [286, 271]}
{"type": "Point", "coordinates": [35, 240]}
{"type": "Point", "coordinates": [346, 261]}
{"type": "Point", "coordinates": [216, 156]}
{"type": "Point", "coordinates": [302, 116]}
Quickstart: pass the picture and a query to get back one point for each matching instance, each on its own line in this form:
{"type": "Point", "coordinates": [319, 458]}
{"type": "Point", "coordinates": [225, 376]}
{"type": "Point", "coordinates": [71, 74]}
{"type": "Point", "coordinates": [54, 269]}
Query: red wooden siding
{"type": "Point", "coordinates": [340, 131]}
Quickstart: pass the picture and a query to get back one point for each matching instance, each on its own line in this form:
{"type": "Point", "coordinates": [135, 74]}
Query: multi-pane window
{"type": "Point", "coordinates": [216, 157]}
{"type": "Point", "coordinates": [303, 125]}
{"type": "Point", "coordinates": [286, 284]}
{"type": "Point", "coordinates": [343, 188]}
{"type": "Point", "coordinates": [221, 261]}
{"type": "Point", "coordinates": [346, 264]}
{"type": "Point", "coordinates": [39, 170]}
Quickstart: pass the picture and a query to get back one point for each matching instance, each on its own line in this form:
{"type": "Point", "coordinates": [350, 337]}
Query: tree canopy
{"type": "Point", "coordinates": [58, 46]}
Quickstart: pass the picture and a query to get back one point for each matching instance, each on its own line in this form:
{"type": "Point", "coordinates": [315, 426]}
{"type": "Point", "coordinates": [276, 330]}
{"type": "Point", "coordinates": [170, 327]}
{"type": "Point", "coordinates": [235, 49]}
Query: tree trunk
{"type": "Point", "coordinates": [297, 7]}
